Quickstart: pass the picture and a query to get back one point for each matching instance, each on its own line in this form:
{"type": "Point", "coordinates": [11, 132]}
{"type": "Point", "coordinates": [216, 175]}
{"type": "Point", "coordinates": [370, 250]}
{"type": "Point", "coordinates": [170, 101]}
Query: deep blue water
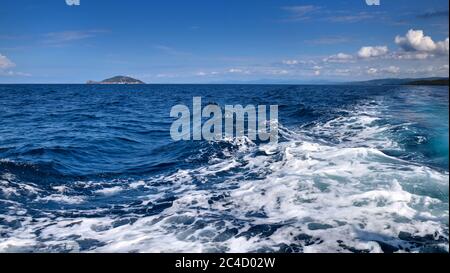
{"type": "Point", "coordinates": [93, 168]}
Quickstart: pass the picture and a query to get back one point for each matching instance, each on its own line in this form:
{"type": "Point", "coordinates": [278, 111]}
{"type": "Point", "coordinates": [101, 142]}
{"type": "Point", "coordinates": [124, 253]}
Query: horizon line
{"type": "Point", "coordinates": [254, 82]}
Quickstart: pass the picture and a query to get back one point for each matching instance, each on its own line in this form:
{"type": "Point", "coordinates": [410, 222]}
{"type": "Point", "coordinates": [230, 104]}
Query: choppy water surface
{"type": "Point", "coordinates": [93, 168]}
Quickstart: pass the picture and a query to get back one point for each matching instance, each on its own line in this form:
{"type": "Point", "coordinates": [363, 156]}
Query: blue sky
{"type": "Point", "coordinates": [213, 41]}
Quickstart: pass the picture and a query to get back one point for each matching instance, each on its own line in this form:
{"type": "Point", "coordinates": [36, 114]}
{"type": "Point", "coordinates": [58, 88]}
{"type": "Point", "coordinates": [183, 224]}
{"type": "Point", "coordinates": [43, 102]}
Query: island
{"type": "Point", "coordinates": [118, 80]}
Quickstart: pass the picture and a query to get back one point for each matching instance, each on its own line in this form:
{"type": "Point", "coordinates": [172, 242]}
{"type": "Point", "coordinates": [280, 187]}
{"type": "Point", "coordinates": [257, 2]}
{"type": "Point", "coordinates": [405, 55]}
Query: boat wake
{"type": "Point", "coordinates": [328, 186]}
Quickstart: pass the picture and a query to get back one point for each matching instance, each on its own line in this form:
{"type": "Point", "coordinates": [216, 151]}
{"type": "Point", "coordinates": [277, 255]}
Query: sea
{"type": "Point", "coordinates": [93, 168]}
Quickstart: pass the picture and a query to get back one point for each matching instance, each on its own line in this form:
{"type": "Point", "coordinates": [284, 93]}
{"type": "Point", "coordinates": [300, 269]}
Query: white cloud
{"type": "Point", "coordinates": [339, 58]}
{"type": "Point", "coordinates": [385, 70]}
{"type": "Point", "coordinates": [442, 47]}
{"type": "Point", "coordinates": [392, 69]}
{"type": "Point", "coordinates": [342, 71]}
{"type": "Point", "coordinates": [5, 62]}
{"type": "Point", "coordinates": [238, 71]}
{"type": "Point", "coordinates": [279, 72]}
{"type": "Point", "coordinates": [10, 73]}
{"type": "Point", "coordinates": [416, 41]}
{"type": "Point", "coordinates": [291, 62]}
{"type": "Point", "coordinates": [235, 70]}
{"type": "Point", "coordinates": [202, 73]}
{"type": "Point", "coordinates": [166, 75]}
{"type": "Point", "coordinates": [372, 51]}
{"type": "Point", "coordinates": [317, 70]}
{"type": "Point", "coordinates": [431, 70]}
{"type": "Point", "coordinates": [372, 71]}
{"type": "Point", "coordinates": [412, 55]}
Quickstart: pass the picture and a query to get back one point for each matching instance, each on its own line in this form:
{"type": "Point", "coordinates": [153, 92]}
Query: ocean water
{"type": "Point", "coordinates": [87, 168]}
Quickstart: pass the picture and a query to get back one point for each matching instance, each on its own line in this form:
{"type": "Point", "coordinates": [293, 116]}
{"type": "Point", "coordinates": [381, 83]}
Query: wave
{"type": "Point", "coordinates": [339, 183]}
{"type": "Point", "coordinates": [297, 196]}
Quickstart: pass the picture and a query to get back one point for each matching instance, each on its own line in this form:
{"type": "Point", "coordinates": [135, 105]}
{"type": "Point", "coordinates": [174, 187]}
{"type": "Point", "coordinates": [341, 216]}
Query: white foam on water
{"type": "Point", "coordinates": [109, 191]}
{"type": "Point", "coordinates": [9, 187]}
{"type": "Point", "coordinates": [137, 184]}
{"type": "Point", "coordinates": [61, 198]}
{"type": "Point", "coordinates": [300, 195]}
{"type": "Point", "coordinates": [359, 127]}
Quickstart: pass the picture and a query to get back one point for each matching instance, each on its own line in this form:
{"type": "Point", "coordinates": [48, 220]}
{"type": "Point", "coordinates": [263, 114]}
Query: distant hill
{"type": "Point", "coordinates": [118, 80]}
{"type": "Point", "coordinates": [441, 82]}
{"type": "Point", "coordinates": [419, 81]}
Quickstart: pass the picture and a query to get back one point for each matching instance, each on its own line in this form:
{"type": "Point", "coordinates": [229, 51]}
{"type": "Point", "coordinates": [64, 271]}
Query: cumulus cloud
{"type": "Point", "coordinates": [442, 47]}
{"type": "Point", "coordinates": [417, 41]}
{"type": "Point", "coordinates": [372, 51]}
{"type": "Point", "coordinates": [5, 62]}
